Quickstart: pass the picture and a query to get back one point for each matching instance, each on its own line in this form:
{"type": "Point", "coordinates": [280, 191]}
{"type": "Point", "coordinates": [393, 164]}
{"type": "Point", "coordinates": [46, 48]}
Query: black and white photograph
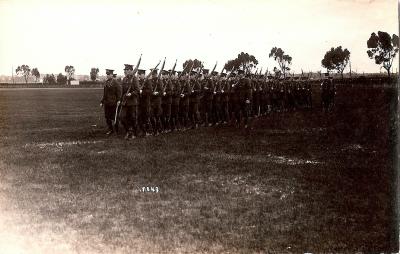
{"type": "Point", "coordinates": [208, 126]}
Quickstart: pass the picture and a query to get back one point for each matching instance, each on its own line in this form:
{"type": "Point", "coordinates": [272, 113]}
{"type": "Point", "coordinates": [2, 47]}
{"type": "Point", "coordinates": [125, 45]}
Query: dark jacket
{"type": "Point", "coordinates": [167, 98]}
{"type": "Point", "coordinates": [146, 93]}
{"type": "Point", "coordinates": [187, 91]}
{"type": "Point", "coordinates": [112, 92]}
{"type": "Point", "coordinates": [196, 90]}
{"type": "Point", "coordinates": [176, 94]}
{"type": "Point", "coordinates": [245, 90]}
{"type": "Point", "coordinates": [130, 84]}
{"type": "Point", "coordinates": [156, 99]}
{"type": "Point", "coordinates": [208, 90]}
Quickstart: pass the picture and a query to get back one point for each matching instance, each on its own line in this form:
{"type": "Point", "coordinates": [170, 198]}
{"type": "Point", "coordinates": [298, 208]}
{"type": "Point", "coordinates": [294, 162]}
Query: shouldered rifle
{"type": "Point", "coordinates": [200, 70]}
{"type": "Point", "coordinates": [220, 74]}
{"type": "Point", "coordinates": [124, 97]}
{"type": "Point", "coordinates": [158, 78]}
{"type": "Point", "coordinates": [162, 68]}
{"type": "Point", "coordinates": [215, 66]}
{"type": "Point", "coordinates": [266, 75]}
{"type": "Point", "coordinates": [190, 70]}
{"type": "Point", "coordinates": [137, 65]}
{"type": "Point", "coordinates": [219, 79]}
{"type": "Point", "coordinates": [180, 74]}
{"type": "Point", "coordinates": [169, 75]}
{"type": "Point", "coordinates": [229, 75]}
{"type": "Point", "coordinates": [173, 69]}
{"type": "Point", "coordinates": [130, 86]}
{"type": "Point", "coordinates": [151, 70]}
{"type": "Point", "coordinates": [159, 75]}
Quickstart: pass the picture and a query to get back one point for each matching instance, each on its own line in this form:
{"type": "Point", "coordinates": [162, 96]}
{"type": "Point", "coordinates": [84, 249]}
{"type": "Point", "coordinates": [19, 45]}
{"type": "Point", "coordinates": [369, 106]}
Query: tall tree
{"type": "Point", "coordinates": [94, 72]}
{"type": "Point", "coordinates": [49, 79]}
{"type": "Point", "coordinates": [336, 59]}
{"type": "Point", "coordinates": [69, 70]}
{"type": "Point", "coordinates": [284, 61]}
{"type": "Point", "coordinates": [383, 49]}
{"type": "Point", "coordinates": [246, 62]}
{"type": "Point", "coordinates": [197, 65]}
{"type": "Point", "coordinates": [35, 72]}
{"type": "Point", "coordinates": [232, 65]}
{"type": "Point", "coordinates": [24, 71]}
{"type": "Point", "coordinates": [61, 79]}
{"type": "Point", "coordinates": [243, 61]}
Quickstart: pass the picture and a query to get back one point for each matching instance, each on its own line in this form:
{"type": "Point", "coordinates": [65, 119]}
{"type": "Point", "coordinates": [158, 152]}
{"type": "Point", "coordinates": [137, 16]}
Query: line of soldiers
{"type": "Point", "coordinates": [170, 101]}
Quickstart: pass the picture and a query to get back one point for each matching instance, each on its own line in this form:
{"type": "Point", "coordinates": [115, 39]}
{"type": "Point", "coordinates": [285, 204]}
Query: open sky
{"type": "Point", "coordinates": [106, 34]}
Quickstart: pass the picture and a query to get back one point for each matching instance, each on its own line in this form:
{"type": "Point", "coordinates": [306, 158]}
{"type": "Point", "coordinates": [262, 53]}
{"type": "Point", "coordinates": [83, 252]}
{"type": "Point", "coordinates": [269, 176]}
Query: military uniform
{"type": "Point", "coordinates": [194, 100]}
{"type": "Point", "coordinates": [167, 104]}
{"type": "Point", "coordinates": [217, 114]}
{"type": "Point", "coordinates": [111, 96]}
{"type": "Point", "coordinates": [129, 102]}
{"type": "Point", "coordinates": [264, 97]}
{"type": "Point", "coordinates": [256, 97]}
{"type": "Point", "coordinates": [309, 94]}
{"type": "Point", "coordinates": [245, 97]}
{"type": "Point", "coordinates": [176, 97]}
{"type": "Point", "coordinates": [234, 101]}
{"type": "Point", "coordinates": [145, 105]}
{"type": "Point", "coordinates": [290, 96]}
{"type": "Point", "coordinates": [208, 91]}
{"type": "Point", "coordinates": [184, 102]}
{"type": "Point", "coordinates": [225, 87]}
{"type": "Point", "coordinates": [156, 108]}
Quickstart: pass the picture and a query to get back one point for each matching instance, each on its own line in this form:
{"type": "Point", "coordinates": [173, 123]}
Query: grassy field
{"type": "Point", "coordinates": [296, 182]}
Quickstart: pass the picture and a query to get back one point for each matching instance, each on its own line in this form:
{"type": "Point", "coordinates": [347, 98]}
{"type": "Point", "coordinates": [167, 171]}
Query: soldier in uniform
{"type": "Point", "coordinates": [110, 100]}
{"type": "Point", "coordinates": [156, 99]}
{"type": "Point", "coordinates": [297, 93]}
{"type": "Point", "coordinates": [184, 101]}
{"type": "Point", "coordinates": [309, 94]}
{"type": "Point", "coordinates": [129, 102]}
{"type": "Point", "coordinates": [202, 105]}
{"type": "Point", "coordinates": [274, 95]}
{"type": "Point", "coordinates": [282, 95]}
{"type": "Point", "coordinates": [176, 97]}
{"type": "Point", "coordinates": [256, 96]}
{"type": "Point", "coordinates": [245, 97]}
{"type": "Point", "coordinates": [270, 94]}
{"type": "Point", "coordinates": [290, 95]}
{"type": "Point", "coordinates": [208, 91]}
{"type": "Point", "coordinates": [167, 100]}
{"type": "Point", "coordinates": [224, 99]}
{"type": "Point", "coordinates": [216, 103]}
{"type": "Point", "coordinates": [264, 100]}
{"type": "Point", "coordinates": [145, 103]}
{"type": "Point", "coordinates": [194, 100]}
{"type": "Point", "coordinates": [234, 101]}
{"type": "Point", "coordinates": [327, 93]}
{"type": "Point", "coordinates": [332, 92]}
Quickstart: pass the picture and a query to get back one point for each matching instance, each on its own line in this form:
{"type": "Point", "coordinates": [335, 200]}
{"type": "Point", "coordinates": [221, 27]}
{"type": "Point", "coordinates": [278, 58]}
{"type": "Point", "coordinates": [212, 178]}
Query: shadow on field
{"type": "Point", "coordinates": [303, 181]}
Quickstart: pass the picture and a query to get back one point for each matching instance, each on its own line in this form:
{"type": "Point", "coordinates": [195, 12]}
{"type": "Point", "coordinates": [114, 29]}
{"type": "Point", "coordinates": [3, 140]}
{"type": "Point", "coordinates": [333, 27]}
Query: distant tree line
{"type": "Point", "coordinates": [382, 48]}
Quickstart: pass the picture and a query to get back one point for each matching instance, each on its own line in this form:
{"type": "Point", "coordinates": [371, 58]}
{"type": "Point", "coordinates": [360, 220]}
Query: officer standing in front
{"type": "Point", "coordinates": [110, 100]}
